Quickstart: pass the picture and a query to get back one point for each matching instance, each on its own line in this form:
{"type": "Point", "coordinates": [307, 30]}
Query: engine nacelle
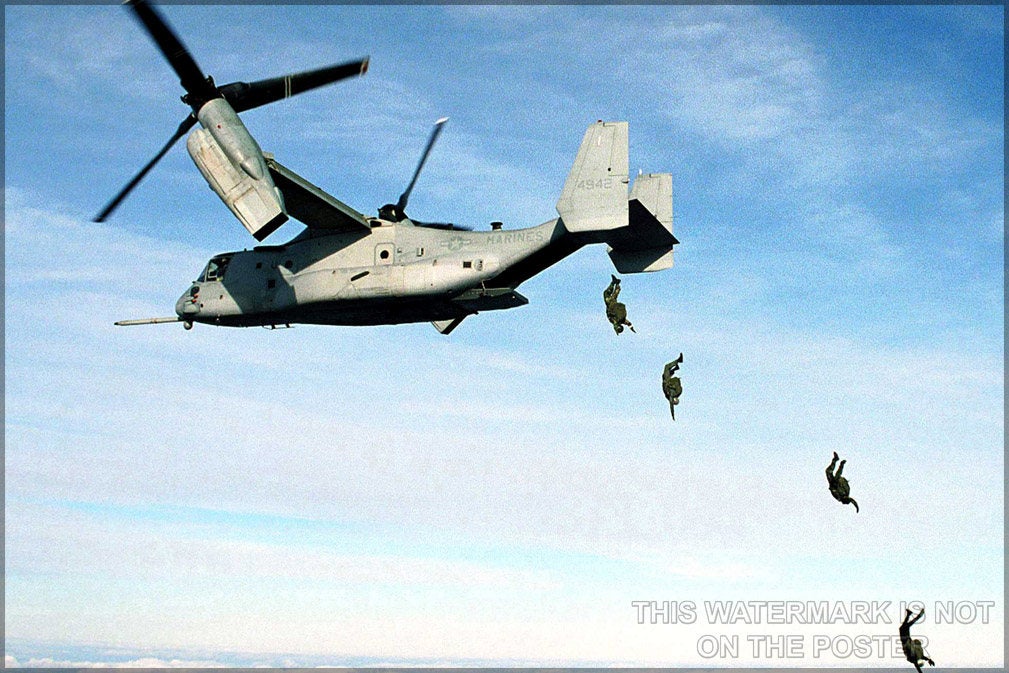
{"type": "Point", "coordinates": [232, 163]}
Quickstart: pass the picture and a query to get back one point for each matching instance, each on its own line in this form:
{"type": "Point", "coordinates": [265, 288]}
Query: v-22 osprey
{"type": "Point", "coordinates": [346, 268]}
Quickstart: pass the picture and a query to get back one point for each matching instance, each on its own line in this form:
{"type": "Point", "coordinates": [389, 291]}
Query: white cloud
{"type": "Point", "coordinates": [106, 544]}
{"type": "Point", "coordinates": [141, 662]}
{"type": "Point", "coordinates": [99, 53]}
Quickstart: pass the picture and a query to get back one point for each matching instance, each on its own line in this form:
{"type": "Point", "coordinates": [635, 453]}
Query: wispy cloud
{"type": "Point", "coordinates": [140, 662]}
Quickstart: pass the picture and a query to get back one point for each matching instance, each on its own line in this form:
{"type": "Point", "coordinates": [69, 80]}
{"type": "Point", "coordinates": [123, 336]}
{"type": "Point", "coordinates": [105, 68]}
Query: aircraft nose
{"type": "Point", "coordinates": [188, 304]}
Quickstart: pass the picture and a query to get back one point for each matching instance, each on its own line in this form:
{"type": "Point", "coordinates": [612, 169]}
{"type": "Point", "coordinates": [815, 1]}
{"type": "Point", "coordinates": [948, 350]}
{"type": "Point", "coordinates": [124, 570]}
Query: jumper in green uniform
{"type": "Point", "coordinates": [616, 312]}
{"type": "Point", "coordinates": [839, 485]}
{"type": "Point", "coordinates": [671, 386]}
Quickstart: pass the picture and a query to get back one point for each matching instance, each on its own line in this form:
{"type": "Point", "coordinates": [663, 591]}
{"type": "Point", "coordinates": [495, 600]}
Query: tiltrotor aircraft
{"type": "Point", "coordinates": [346, 268]}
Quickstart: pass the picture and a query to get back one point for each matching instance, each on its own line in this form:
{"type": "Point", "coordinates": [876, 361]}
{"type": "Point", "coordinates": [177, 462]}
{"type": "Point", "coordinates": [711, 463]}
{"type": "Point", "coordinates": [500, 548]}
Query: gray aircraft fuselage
{"type": "Point", "coordinates": [395, 273]}
{"type": "Point", "coordinates": [349, 269]}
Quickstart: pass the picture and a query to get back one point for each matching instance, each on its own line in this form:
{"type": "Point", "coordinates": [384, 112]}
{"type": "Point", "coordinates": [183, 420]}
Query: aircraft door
{"type": "Point", "coordinates": [384, 254]}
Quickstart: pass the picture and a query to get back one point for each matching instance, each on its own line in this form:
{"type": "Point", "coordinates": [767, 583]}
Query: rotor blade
{"type": "Point", "coordinates": [186, 124]}
{"type": "Point", "coordinates": [190, 76]}
{"type": "Point", "coordinates": [246, 95]}
{"type": "Point", "coordinates": [427, 150]}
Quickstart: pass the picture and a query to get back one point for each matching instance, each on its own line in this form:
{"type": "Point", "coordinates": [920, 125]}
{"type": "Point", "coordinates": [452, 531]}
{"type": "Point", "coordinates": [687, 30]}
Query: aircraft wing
{"type": "Point", "coordinates": [310, 205]}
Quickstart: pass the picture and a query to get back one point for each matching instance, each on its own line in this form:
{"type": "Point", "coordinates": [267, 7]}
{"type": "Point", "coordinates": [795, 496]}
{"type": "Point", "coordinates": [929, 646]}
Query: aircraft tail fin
{"type": "Point", "coordinates": [646, 243]}
{"type": "Point", "coordinates": [595, 194]}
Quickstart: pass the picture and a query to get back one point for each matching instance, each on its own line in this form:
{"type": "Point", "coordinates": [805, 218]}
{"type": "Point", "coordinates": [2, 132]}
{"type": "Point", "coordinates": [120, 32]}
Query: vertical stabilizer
{"type": "Point", "coordinates": [595, 194]}
{"type": "Point", "coordinates": [647, 242]}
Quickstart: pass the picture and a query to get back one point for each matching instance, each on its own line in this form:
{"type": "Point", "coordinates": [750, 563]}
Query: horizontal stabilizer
{"type": "Point", "coordinates": [651, 209]}
{"type": "Point", "coordinates": [646, 244]}
{"type": "Point", "coordinates": [595, 194]}
{"type": "Point", "coordinates": [310, 205]}
{"type": "Point", "coordinates": [639, 261]}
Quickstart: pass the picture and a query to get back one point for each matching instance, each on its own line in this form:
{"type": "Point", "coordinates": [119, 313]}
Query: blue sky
{"type": "Point", "coordinates": [502, 495]}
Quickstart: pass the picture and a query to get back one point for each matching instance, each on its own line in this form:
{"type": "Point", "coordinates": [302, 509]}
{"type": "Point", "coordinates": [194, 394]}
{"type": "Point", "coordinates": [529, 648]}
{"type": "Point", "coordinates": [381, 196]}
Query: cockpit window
{"type": "Point", "coordinates": [215, 268]}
